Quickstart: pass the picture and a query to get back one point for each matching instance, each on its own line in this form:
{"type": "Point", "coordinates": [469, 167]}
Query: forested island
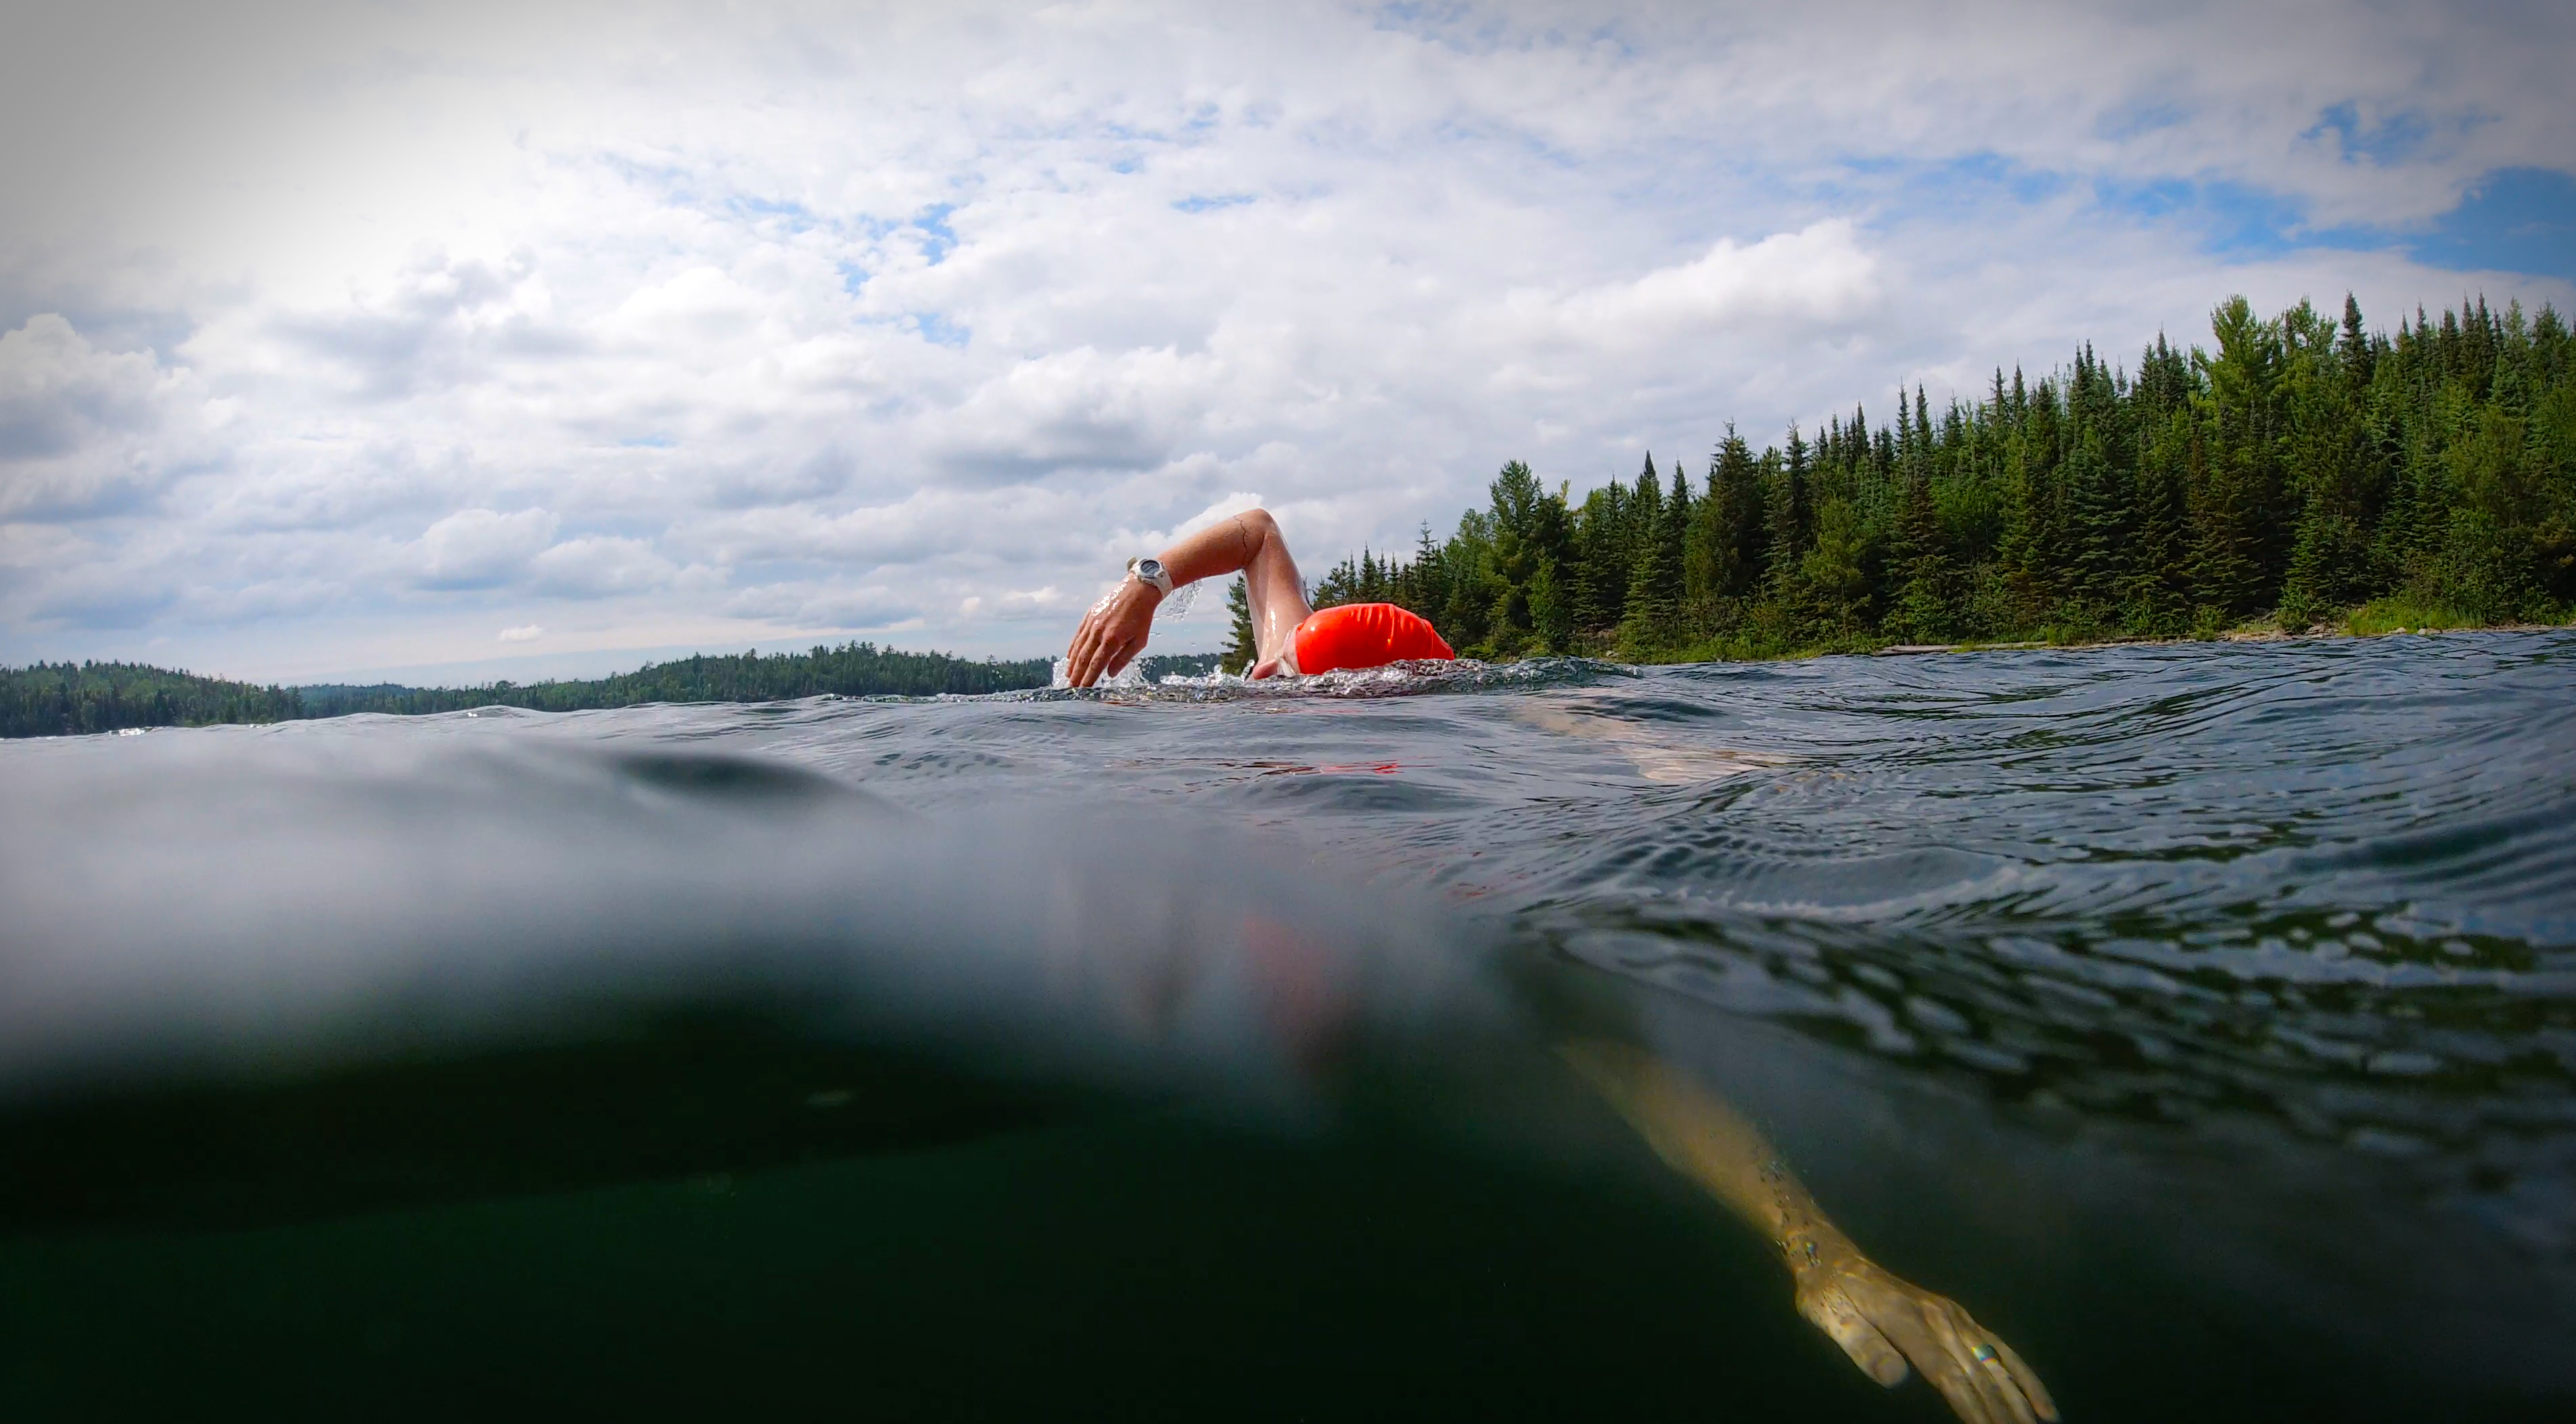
{"type": "Point", "coordinates": [2306, 473]}
{"type": "Point", "coordinates": [58, 699]}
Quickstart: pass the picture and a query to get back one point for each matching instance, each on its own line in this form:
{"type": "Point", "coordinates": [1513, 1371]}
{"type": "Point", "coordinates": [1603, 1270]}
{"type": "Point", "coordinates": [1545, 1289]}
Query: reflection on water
{"type": "Point", "coordinates": [2204, 1017]}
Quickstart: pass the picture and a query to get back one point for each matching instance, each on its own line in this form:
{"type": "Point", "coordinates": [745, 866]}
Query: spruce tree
{"type": "Point", "coordinates": [1600, 574]}
{"type": "Point", "coordinates": [2029, 543]}
{"type": "Point", "coordinates": [1646, 619]}
{"type": "Point", "coordinates": [1515, 495]}
{"type": "Point", "coordinates": [2095, 532]}
{"type": "Point", "coordinates": [2354, 348]}
{"type": "Point", "coordinates": [1645, 511]}
{"type": "Point", "coordinates": [1788, 518]}
{"type": "Point", "coordinates": [1551, 609]}
{"type": "Point", "coordinates": [1725, 554]}
{"type": "Point", "coordinates": [1422, 586]}
{"type": "Point", "coordinates": [2233, 512]}
{"type": "Point", "coordinates": [2324, 466]}
{"type": "Point", "coordinates": [1923, 610]}
{"type": "Point", "coordinates": [2169, 443]}
{"type": "Point", "coordinates": [1674, 532]}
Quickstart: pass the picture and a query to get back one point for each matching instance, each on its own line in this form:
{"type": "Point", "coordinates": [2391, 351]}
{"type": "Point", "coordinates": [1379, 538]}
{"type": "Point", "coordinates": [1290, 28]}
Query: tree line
{"type": "Point", "coordinates": [60, 699]}
{"type": "Point", "coordinates": [2302, 467]}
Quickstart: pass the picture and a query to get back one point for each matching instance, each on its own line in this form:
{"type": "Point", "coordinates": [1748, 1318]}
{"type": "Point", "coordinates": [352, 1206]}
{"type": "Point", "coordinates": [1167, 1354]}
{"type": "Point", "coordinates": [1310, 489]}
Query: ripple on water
{"type": "Point", "coordinates": [2328, 888]}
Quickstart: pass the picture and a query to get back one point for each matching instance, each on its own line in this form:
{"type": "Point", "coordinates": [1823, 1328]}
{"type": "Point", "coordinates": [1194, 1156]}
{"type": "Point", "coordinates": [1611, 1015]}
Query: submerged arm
{"type": "Point", "coordinates": [1880, 1320]}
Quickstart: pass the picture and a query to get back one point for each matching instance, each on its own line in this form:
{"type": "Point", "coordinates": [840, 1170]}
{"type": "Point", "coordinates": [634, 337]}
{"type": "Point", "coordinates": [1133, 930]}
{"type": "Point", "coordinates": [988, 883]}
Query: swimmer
{"type": "Point", "coordinates": [1883, 1322]}
{"type": "Point", "coordinates": [1292, 638]}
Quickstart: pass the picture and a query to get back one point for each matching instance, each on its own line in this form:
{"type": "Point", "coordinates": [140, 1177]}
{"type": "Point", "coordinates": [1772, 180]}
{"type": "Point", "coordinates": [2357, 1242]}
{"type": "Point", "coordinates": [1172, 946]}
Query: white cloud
{"type": "Point", "coordinates": [1078, 409]}
{"type": "Point", "coordinates": [478, 548]}
{"type": "Point", "coordinates": [599, 567]}
{"type": "Point", "coordinates": [524, 633]}
{"type": "Point", "coordinates": [1820, 276]}
{"type": "Point", "coordinates": [807, 606]}
{"type": "Point", "coordinates": [78, 424]}
{"type": "Point", "coordinates": [360, 328]}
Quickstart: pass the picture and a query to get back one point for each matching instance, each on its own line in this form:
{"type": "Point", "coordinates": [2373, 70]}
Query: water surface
{"type": "Point", "coordinates": [2202, 1016]}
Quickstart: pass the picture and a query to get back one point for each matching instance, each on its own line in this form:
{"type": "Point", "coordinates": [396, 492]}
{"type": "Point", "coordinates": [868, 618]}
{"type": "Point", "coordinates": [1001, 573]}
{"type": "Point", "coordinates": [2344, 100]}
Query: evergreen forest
{"type": "Point", "coordinates": [2299, 469]}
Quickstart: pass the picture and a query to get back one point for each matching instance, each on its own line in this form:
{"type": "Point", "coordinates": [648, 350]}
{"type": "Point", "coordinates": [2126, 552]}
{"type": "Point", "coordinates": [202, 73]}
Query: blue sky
{"type": "Point", "coordinates": [514, 339]}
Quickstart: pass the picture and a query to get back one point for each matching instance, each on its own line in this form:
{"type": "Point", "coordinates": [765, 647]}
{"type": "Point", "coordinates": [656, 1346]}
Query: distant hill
{"type": "Point", "coordinates": [851, 670]}
{"type": "Point", "coordinates": [56, 699]}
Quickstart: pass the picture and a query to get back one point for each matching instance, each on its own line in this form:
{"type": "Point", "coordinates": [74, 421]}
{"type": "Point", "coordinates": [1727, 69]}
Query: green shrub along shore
{"type": "Point", "coordinates": [2307, 475]}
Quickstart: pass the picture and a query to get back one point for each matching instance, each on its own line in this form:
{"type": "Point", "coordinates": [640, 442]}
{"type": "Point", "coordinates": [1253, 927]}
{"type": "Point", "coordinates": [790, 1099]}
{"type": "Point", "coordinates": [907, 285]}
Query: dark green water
{"type": "Point", "coordinates": [2203, 1018]}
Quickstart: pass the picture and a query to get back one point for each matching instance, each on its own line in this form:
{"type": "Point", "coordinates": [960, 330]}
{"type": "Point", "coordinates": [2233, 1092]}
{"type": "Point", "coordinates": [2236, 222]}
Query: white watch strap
{"type": "Point", "coordinates": [1162, 579]}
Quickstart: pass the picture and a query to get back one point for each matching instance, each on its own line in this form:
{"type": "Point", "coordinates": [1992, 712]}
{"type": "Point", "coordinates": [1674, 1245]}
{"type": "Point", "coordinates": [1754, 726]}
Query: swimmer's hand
{"type": "Point", "coordinates": [1112, 633]}
{"type": "Point", "coordinates": [1882, 1321]}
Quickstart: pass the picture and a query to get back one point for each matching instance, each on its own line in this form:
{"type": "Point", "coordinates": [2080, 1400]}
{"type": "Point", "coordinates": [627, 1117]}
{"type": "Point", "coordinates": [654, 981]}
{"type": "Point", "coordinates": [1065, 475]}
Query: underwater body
{"type": "Point", "coordinates": [2202, 1017]}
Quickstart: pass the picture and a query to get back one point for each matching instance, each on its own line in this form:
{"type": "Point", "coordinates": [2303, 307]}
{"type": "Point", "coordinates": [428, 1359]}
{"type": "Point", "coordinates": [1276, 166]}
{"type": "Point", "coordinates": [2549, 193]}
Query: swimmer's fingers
{"type": "Point", "coordinates": [1969, 1397]}
{"type": "Point", "coordinates": [1828, 1310]}
{"type": "Point", "coordinates": [1082, 660]}
{"type": "Point", "coordinates": [1867, 1310]}
{"type": "Point", "coordinates": [1955, 1354]}
{"type": "Point", "coordinates": [2026, 1378]}
{"type": "Point", "coordinates": [1972, 1367]}
{"type": "Point", "coordinates": [1118, 653]}
{"type": "Point", "coordinates": [1092, 650]}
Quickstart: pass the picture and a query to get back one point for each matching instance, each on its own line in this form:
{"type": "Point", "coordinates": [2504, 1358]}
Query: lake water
{"type": "Point", "coordinates": [2203, 1017]}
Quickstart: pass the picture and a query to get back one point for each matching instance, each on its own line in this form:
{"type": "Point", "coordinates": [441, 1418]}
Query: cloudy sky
{"type": "Point", "coordinates": [453, 340]}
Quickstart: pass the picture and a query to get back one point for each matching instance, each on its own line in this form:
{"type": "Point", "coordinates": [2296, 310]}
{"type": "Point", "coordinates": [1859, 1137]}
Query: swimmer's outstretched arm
{"type": "Point", "coordinates": [1878, 1319]}
{"type": "Point", "coordinates": [1115, 629]}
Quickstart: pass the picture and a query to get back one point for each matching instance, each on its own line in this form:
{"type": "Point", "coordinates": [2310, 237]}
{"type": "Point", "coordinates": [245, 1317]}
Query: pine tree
{"type": "Point", "coordinates": [1924, 609]}
{"type": "Point", "coordinates": [2030, 542]}
{"type": "Point", "coordinates": [1601, 554]}
{"type": "Point", "coordinates": [2233, 513]}
{"type": "Point", "coordinates": [2325, 464]}
{"type": "Point", "coordinates": [1788, 519]}
{"type": "Point", "coordinates": [2095, 532]}
{"type": "Point", "coordinates": [1724, 559]}
{"type": "Point", "coordinates": [2354, 348]}
{"type": "Point", "coordinates": [2156, 600]}
{"type": "Point", "coordinates": [1645, 510]}
{"type": "Point", "coordinates": [1551, 609]}
{"type": "Point", "coordinates": [1422, 586]}
{"type": "Point", "coordinates": [1673, 531]}
{"type": "Point", "coordinates": [1515, 494]}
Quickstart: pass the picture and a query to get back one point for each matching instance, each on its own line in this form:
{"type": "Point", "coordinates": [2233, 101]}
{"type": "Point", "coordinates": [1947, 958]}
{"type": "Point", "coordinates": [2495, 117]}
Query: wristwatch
{"type": "Point", "coordinates": [1151, 571]}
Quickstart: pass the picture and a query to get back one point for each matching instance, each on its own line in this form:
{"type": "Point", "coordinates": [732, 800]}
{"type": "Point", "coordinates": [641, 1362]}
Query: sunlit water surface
{"type": "Point", "coordinates": [2204, 1017]}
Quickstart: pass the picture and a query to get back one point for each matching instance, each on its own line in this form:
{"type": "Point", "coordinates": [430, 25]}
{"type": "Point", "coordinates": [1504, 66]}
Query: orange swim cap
{"type": "Point", "coordinates": [1364, 635]}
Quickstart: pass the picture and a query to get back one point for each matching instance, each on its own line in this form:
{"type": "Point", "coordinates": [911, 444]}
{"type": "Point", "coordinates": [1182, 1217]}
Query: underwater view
{"type": "Point", "coordinates": [2201, 1018]}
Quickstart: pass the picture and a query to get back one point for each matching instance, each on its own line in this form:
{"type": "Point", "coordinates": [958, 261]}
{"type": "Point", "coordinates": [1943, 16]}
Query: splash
{"type": "Point", "coordinates": [1402, 679]}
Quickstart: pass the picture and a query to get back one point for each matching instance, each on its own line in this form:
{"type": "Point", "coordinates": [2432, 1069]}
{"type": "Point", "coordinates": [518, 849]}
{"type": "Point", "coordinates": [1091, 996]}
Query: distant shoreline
{"type": "Point", "coordinates": [132, 697]}
{"type": "Point", "coordinates": [2250, 633]}
{"type": "Point", "coordinates": [2368, 621]}
{"type": "Point", "coordinates": [75, 699]}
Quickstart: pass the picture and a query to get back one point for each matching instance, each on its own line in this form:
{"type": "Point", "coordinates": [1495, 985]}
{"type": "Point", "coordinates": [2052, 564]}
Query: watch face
{"type": "Point", "coordinates": [1149, 569]}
